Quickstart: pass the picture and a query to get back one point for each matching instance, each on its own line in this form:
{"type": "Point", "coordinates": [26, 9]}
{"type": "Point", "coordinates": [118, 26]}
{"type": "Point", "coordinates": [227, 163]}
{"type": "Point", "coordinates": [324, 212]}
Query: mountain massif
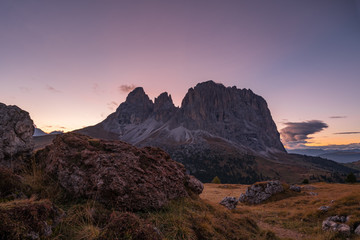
{"type": "Point", "coordinates": [218, 131]}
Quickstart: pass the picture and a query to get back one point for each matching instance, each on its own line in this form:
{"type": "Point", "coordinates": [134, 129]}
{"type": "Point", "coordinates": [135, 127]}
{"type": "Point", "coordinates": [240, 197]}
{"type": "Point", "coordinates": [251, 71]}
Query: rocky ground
{"type": "Point", "coordinates": [294, 215]}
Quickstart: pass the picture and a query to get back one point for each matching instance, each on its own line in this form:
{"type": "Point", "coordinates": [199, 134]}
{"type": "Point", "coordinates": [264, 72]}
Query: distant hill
{"type": "Point", "coordinates": [341, 156]}
{"type": "Point", "coordinates": [39, 132]}
{"type": "Point", "coordinates": [218, 131]}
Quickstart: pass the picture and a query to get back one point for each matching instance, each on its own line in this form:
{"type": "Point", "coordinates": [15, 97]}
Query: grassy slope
{"type": "Point", "coordinates": [297, 216]}
{"type": "Point", "coordinates": [186, 218]}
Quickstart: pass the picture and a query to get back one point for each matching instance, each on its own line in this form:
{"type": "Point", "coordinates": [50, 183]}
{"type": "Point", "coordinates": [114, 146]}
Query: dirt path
{"type": "Point", "coordinates": [282, 232]}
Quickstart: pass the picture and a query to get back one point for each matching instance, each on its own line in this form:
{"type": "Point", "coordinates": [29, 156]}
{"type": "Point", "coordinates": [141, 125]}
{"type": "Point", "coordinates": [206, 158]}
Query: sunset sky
{"type": "Point", "coordinates": [71, 63]}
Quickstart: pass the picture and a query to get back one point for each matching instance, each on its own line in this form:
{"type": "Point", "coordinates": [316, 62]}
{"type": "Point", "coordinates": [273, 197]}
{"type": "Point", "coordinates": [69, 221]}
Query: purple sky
{"type": "Point", "coordinates": [65, 61]}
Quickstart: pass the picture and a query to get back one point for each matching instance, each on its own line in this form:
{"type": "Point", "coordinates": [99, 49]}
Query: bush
{"type": "Point", "coordinates": [216, 180]}
{"type": "Point", "coordinates": [350, 178]}
{"type": "Point", "coordinates": [305, 181]}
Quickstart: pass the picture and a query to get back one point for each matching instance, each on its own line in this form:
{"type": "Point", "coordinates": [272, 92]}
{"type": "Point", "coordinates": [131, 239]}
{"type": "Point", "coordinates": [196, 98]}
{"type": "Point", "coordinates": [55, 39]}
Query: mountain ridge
{"type": "Point", "coordinates": [217, 131]}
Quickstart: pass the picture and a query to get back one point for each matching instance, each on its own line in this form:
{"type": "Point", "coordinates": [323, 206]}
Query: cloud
{"type": "Point", "coordinates": [297, 133]}
{"type": "Point", "coordinates": [52, 89]}
{"type": "Point", "coordinates": [347, 133]}
{"type": "Point", "coordinates": [112, 105]}
{"type": "Point", "coordinates": [25, 89]}
{"type": "Point", "coordinates": [126, 88]}
{"type": "Point", "coordinates": [338, 117]}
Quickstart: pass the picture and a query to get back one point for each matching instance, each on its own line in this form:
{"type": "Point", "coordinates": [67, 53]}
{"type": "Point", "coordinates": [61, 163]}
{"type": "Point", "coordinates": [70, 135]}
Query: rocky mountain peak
{"type": "Point", "coordinates": [138, 97]}
{"type": "Point", "coordinates": [164, 107]}
{"type": "Point", "coordinates": [163, 102]}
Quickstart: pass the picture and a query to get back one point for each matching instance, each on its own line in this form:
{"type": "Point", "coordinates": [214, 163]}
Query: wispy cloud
{"type": "Point", "coordinates": [297, 133]}
{"type": "Point", "coordinates": [112, 105]}
{"type": "Point", "coordinates": [25, 89]}
{"type": "Point", "coordinates": [338, 117]}
{"type": "Point", "coordinates": [52, 89]}
{"type": "Point", "coordinates": [347, 133]}
{"type": "Point", "coordinates": [126, 88]}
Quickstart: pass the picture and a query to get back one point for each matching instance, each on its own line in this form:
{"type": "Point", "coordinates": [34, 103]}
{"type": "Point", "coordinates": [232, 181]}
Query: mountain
{"type": "Point", "coordinates": [38, 132]}
{"type": "Point", "coordinates": [218, 131]}
{"type": "Point", "coordinates": [341, 156]}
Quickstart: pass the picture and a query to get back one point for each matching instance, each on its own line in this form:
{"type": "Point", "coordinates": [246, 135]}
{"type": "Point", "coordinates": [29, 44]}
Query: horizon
{"type": "Point", "coordinates": [71, 64]}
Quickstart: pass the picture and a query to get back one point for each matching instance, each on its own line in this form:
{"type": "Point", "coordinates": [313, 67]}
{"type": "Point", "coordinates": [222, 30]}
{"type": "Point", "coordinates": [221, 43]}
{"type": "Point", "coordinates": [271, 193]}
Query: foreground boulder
{"type": "Point", "coordinates": [28, 219]}
{"type": "Point", "coordinates": [16, 130]}
{"type": "Point", "coordinates": [259, 192]}
{"type": "Point", "coordinates": [116, 173]}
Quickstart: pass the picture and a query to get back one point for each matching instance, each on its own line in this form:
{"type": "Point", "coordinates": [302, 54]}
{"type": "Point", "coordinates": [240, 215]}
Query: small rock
{"type": "Point", "coordinates": [336, 224]}
{"type": "Point", "coordinates": [324, 208]}
{"type": "Point", "coordinates": [340, 219]}
{"type": "Point", "coordinates": [295, 188]}
{"type": "Point", "coordinates": [343, 229]}
{"type": "Point", "coordinates": [357, 230]}
{"type": "Point", "coordinates": [329, 225]}
{"type": "Point", "coordinates": [313, 193]}
{"type": "Point", "coordinates": [229, 202]}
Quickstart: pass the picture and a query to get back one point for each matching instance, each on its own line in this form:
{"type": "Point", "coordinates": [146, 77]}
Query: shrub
{"type": "Point", "coordinates": [350, 178]}
{"type": "Point", "coordinates": [216, 180]}
{"type": "Point", "coordinates": [305, 181]}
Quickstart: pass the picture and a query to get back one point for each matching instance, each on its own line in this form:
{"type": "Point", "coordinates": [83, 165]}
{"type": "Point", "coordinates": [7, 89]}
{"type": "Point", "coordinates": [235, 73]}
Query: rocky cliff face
{"type": "Point", "coordinates": [16, 131]}
{"type": "Point", "coordinates": [235, 115]}
{"type": "Point", "coordinates": [213, 132]}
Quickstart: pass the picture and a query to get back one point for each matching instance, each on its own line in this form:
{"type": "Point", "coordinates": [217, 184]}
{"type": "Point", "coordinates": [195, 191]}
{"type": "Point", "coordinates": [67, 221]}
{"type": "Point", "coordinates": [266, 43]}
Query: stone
{"type": "Point", "coordinates": [194, 184]}
{"type": "Point", "coordinates": [16, 131]}
{"type": "Point", "coordinates": [116, 173]}
{"type": "Point", "coordinates": [343, 229]}
{"type": "Point", "coordinates": [260, 192]}
{"type": "Point", "coordinates": [336, 224]}
{"type": "Point", "coordinates": [295, 188]}
{"type": "Point", "coordinates": [229, 202]}
{"type": "Point", "coordinates": [313, 193]}
{"type": "Point", "coordinates": [357, 230]}
{"type": "Point", "coordinates": [324, 208]}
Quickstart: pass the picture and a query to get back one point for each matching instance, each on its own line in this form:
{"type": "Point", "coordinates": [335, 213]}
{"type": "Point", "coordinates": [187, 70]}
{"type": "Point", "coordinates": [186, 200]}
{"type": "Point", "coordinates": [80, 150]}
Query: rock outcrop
{"type": "Point", "coordinates": [229, 202]}
{"type": "Point", "coordinates": [337, 224]}
{"type": "Point", "coordinates": [16, 131]}
{"type": "Point", "coordinates": [260, 192]}
{"type": "Point", "coordinates": [116, 173]}
{"type": "Point", "coordinates": [295, 188]}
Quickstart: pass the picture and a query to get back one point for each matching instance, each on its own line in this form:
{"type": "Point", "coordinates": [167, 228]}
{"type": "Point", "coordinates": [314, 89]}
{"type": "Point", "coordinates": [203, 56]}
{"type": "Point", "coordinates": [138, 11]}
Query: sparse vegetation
{"type": "Point", "coordinates": [216, 180]}
{"type": "Point", "coordinates": [305, 181]}
{"type": "Point", "coordinates": [350, 178]}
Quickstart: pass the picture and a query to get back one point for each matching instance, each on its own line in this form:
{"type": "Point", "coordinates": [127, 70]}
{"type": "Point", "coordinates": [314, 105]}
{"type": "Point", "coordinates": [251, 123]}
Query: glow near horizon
{"type": "Point", "coordinates": [63, 62]}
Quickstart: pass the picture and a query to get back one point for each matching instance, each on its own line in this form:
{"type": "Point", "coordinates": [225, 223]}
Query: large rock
{"type": "Point", "coordinates": [259, 192]}
{"type": "Point", "coordinates": [16, 131]}
{"type": "Point", "coordinates": [116, 173]}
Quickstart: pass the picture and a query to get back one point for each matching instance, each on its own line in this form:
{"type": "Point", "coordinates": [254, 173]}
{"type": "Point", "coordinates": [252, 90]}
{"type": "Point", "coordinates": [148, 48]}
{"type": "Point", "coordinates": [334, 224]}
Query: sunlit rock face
{"type": "Point", "coordinates": [16, 131]}
{"type": "Point", "coordinates": [215, 128]}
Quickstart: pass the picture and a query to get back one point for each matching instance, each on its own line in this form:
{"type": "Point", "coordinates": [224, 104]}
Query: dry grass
{"type": "Point", "coordinates": [296, 216]}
